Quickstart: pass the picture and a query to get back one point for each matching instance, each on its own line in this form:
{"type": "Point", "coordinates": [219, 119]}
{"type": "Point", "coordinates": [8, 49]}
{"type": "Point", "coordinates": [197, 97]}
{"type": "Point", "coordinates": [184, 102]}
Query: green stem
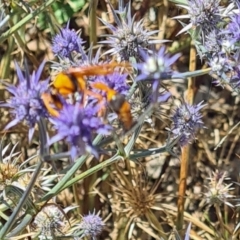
{"type": "Point", "coordinates": [22, 201]}
{"type": "Point", "coordinates": [91, 171]}
{"type": "Point", "coordinates": [220, 219]}
{"type": "Point", "coordinates": [145, 153]}
{"type": "Point", "coordinates": [22, 226]}
{"type": "Point", "coordinates": [6, 59]}
{"type": "Point", "coordinates": [79, 162]}
{"type": "Point", "coordinates": [24, 198]}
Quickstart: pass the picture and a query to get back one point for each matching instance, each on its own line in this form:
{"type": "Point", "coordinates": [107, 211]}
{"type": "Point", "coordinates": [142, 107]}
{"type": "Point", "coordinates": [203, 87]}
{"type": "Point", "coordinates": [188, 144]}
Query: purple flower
{"type": "Point", "coordinates": [90, 58]}
{"type": "Point", "coordinates": [155, 68]}
{"type": "Point", "coordinates": [66, 42]}
{"type": "Point", "coordinates": [213, 42]}
{"type": "Point", "coordinates": [186, 122]}
{"type": "Point", "coordinates": [235, 80]}
{"type": "Point", "coordinates": [91, 225]}
{"type": "Point", "coordinates": [26, 103]}
{"type": "Point", "coordinates": [221, 66]}
{"type": "Point", "coordinates": [129, 36]}
{"type": "Point", "coordinates": [77, 125]}
{"type": "Point", "coordinates": [204, 15]}
{"type": "Point", "coordinates": [115, 81]}
{"type": "Point", "coordinates": [233, 29]}
{"type": "Point", "coordinates": [235, 73]}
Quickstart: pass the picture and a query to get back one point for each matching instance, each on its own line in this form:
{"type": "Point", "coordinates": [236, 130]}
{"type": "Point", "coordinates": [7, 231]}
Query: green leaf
{"type": "Point", "coordinates": [25, 20]}
{"type": "Point", "coordinates": [76, 4]}
{"type": "Point", "coordinates": [91, 171]}
{"type": "Point", "coordinates": [182, 2]}
{"type": "Point", "coordinates": [132, 141]}
{"type": "Point", "coordinates": [191, 74]}
{"type": "Point", "coordinates": [62, 12]}
{"type": "Point", "coordinates": [79, 162]}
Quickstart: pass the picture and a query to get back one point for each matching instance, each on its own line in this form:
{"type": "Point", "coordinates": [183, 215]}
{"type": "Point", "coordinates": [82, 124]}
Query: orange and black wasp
{"type": "Point", "coordinates": [74, 80]}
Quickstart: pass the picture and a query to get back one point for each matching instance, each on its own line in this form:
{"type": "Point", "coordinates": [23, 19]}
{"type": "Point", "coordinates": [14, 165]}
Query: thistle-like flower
{"type": "Point", "coordinates": [66, 42]}
{"type": "Point", "coordinates": [116, 81]}
{"type": "Point", "coordinates": [213, 42]}
{"type": "Point", "coordinates": [26, 103]}
{"type": "Point", "coordinates": [91, 225]}
{"type": "Point", "coordinates": [8, 166]}
{"type": "Point", "coordinates": [129, 36]}
{"type": "Point", "coordinates": [204, 15]}
{"type": "Point", "coordinates": [49, 222]}
{"type": "Point", "coordinates": [156, 67]}
{"type": "Point", "coordinates": [82, 59]}
{"type": "Point", "coordinates": [77, 124]}
{"type": "Point", "coordinates": [235, 79]}
{"type": "Point", "coordinates": [226, 70]}
{"type": "Point", "coordinates": [218, 191]}
{"type": "Point", "coordinates": [15, 177]}
{"type": "Point", "coordinates": [134, 200]}
{"type": "Point", "coordinates": [221, 66]}
{"type": "Point", "coordinates": [233, 29]}
{"type": "Point", "coordinates": [186, 122]}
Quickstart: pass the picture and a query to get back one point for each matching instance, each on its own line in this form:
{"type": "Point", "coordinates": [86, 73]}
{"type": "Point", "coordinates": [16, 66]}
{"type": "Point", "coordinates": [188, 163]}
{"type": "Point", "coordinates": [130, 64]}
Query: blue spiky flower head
{"type": "Point", "coordinates": [26, 103]}
{"type": "Point", "coordinates": [213, 42]}
{"type": "Point", "coordinates": [235, 80]}
{"type": "Point", "coordinates": [66, 42]}
{"type": "Point", "coordinates": [221, 67]}
{"type": "Point", "coordinates": [77, 125]}
{"type": "Point", "coordinates": [91, 225]}
{"type": "Point", "coordinates": [156, 67]}
{"type": "Point", "coordinates": [233, 29]}
{"type": "Point", "coordinates": [129, 36]}
{"type": "Point", "coordinates": [234, 76]}
{"type": "Point", "coordinates": [204, 15]}
{"type": "Point", "coordinates": [186, 122]}
{"type": "Point", "coordinates": [116, 81]}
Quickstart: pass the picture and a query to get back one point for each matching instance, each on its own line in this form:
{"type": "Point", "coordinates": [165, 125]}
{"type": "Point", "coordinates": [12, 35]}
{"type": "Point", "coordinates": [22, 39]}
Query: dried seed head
{"type": "Point", "coordinates": [7, 172]}
{"type": "Point", "coordinates": [136, 195]}
{"type": "Point", "coordinates": [49, 222]}
{"type": "Point", "coordinates": [218, 191]}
